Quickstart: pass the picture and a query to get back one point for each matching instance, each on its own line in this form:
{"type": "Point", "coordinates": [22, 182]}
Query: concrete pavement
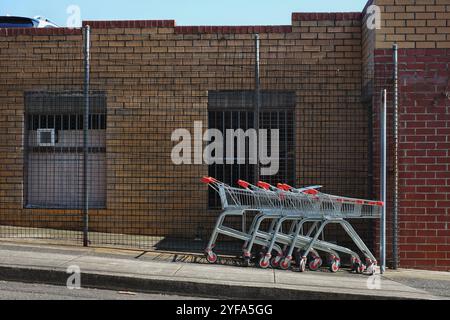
{"type": "Point", "coordinates": [437, 283]}
{"type": "Point", "coordinates": [174, 274]}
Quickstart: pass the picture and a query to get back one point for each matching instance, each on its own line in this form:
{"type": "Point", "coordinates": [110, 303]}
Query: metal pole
{"type": "Point", "coordinates": [258, 102]}
{"type": "Point", "coordinates": [86, 36]}
{"type": "Point", "coordinates": [395, 155]}
{"type": "Point", "coordinates": [383, 180]}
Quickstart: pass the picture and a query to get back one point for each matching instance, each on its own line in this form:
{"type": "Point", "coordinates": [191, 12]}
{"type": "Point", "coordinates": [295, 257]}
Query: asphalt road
{"type": "Point", "coordinates": [35, 291]}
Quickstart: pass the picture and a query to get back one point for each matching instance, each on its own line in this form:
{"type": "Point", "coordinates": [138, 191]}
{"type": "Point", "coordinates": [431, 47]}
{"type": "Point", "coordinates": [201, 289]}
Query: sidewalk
{"type": "Point", "coordinates": [181, 274]}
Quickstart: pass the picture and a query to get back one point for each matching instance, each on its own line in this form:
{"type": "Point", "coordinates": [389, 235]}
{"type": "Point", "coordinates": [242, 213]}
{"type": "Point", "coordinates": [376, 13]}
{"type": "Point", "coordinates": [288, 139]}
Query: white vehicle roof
{"type": "Point", "coordinates": [25, 22]}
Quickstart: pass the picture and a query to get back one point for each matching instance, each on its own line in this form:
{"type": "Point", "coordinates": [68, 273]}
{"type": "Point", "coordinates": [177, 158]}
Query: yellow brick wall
{"type": "Point", "coordinates": [156, 80]}
{"type": "Point", "coordinates": [414, 24]}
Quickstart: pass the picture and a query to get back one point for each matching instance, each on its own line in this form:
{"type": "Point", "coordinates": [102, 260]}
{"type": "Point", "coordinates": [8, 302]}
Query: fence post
{"type": "Point", "coordinates": [395, 155]}
{"type": "Point", "coordinates": [257, 103]}
{"type": "Point", "coordinates": [86, 54]}
{"type": "Point", "coordinates": [383, 180]}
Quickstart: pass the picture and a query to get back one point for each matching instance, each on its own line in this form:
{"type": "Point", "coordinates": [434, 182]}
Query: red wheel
{"type": "Point", "coordinates": [335, 264]}
{"type": "Point", "coordinates": [355, 264]}
{"type": "Point", "coordinates": [334, 267]}
{"type": "Point", "coordinates": [315, 264]}
{"type": "Point", "coordinates": [264, 262]}
{"type": "Point", "coordinates": [211, 257]}
{"type": "Point", "coordinates": [361, 268]}
{"type": "Point", "coordinates": [275, 262]}
{"type": "Point", "coordinates": [285, 264]}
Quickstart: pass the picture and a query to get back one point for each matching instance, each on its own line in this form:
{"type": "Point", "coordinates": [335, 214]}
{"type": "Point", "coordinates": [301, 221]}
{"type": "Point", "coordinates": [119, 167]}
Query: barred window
{"type": "Point", "coordinates": [235, 110]}
{"type": "Point", "coordinates": [54, 150]}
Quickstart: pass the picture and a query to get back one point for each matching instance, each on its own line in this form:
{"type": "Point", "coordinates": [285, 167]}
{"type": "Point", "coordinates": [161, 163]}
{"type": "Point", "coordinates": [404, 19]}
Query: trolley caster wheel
{"type": "Point", "coordinates": [315, 264]}
{"type": "Point", "coordinates": [335, 265]}
{"type": "Point", "coordinates": [359, 267]}
{"type": "Point", "coordinates": [370, 270]}
{"type": "Point", "coordinates": [302, 265]}
{"type": "Point", "coordinates": [264, 262]}
{"type": "Point", "coordinates": [211, 257]}
{"type": "Point", "coordinates": [275, 262]}
{"type": "Point", "coordinates": [371, 267]}
{"type": "Point", "coordinates": [356, 263]}
{"type": "Point", "coordinates": [285, 263]}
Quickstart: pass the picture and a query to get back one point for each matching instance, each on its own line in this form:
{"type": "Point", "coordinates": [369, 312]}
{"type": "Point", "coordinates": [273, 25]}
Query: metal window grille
{"type": "Point", "coordinates": [234, 110]}
{"type": "Point", "coordinates": [54, 146]}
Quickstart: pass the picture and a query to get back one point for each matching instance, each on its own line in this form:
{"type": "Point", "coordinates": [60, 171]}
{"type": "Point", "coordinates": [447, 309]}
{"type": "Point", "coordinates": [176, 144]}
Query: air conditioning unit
{"type": "Point", "coordinates": [46, 137]}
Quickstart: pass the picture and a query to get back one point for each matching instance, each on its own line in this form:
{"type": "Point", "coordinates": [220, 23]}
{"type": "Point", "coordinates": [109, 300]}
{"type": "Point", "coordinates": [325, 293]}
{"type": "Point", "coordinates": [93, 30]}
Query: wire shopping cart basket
{"type": "Point", "coordinates": [298, 207]}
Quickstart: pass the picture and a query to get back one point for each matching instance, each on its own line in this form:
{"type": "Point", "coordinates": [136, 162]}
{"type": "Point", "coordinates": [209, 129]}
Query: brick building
{"type": "Point", "coordinates": [320, 82]}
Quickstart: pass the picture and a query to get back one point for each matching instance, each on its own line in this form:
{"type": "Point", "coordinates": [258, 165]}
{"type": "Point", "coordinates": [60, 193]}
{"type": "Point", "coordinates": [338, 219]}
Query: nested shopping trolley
{"type": "Point", "coordinates": [298, 208]}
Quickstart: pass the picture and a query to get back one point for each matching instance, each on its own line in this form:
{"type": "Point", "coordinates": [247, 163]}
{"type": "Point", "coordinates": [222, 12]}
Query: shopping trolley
{"type": "Point", "coordinates": [284, 203]}
{"type": "Point", "coordinates": [270, 205]}
{"type": "Point", "coordinates": [298, 209]}
{"type": "Point", "coordinates": [288, 210]}
{"type": "Point", "coordinates": [309, 205]}
{"type": "Point", "coordinates": [331, 209]}
{"type": "Point", "coordinates": [238, 202]}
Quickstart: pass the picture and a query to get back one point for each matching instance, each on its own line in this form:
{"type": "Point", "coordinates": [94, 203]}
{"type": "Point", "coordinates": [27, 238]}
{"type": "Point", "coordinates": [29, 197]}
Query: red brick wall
{"type": "Point", "coordinates": [421, 30]}
{"type": "Point", "coordinates": [424, 177]}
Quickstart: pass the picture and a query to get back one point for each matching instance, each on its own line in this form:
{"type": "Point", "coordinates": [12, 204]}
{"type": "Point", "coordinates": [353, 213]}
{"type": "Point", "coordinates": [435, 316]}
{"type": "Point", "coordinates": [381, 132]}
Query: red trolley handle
{"type": "Point", "coordinates": [208, 180]}
{"type": "Point", "coordinates": [312, 192]}
{"type": "Point", "coordinates": [284, 187]}
{"type": "Point", "coordinates": [264, 185]}
{"type": "Point", "coordinates": [243, 184]}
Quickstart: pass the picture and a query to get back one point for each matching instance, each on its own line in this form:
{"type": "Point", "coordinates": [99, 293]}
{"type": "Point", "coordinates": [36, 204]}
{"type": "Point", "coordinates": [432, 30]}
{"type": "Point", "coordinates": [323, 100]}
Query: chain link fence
{"type": "Point", "coordinates": [143, 87]}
